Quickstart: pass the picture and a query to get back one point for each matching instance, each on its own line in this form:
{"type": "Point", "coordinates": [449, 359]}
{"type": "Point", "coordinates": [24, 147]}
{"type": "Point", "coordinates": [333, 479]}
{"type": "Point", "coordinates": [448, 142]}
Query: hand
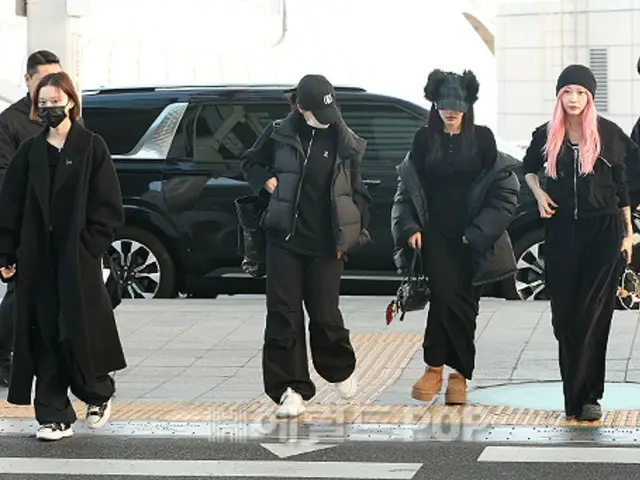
{"type": "Point", "coordinates": [627, 247]}
{"type": "Point", "coordinates": [339, 255]}
{"type": "Point", "coordinates": [464, 240]}
{"type": "Point", "coordinates": [415, 241]}
{"type": "Point", "coordinates": [7, 273]}
{"type": "Point", "coordinates": [545, 204]}
{"type": "Point", "coordinates": [271, 184]}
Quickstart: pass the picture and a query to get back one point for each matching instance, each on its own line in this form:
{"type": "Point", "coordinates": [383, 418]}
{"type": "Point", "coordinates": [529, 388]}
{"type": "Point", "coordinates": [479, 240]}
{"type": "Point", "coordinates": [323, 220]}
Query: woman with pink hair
{"type": "Point", "coordinates": [588, 224]}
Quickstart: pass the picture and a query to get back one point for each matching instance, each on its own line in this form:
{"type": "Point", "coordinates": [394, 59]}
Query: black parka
{"type": "Point", "coordinates": [278, 153]}
{"type": "Point", "coordinates": [492, 200]}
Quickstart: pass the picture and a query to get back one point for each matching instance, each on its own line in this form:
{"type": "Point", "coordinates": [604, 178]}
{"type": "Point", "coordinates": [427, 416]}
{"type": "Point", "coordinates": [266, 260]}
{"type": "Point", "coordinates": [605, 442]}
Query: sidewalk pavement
{"type": "Point", "coordinates": [193, 359]}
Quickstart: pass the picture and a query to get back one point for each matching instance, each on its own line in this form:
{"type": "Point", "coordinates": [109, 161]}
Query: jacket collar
{"type": "Point", "coordinates": [349, 144]}
{"type": "Point", "coordinates": [23, 106]}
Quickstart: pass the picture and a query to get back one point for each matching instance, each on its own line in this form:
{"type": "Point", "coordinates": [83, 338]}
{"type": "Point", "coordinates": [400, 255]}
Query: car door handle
{"type": "Point", "coordinates": [368, 181]}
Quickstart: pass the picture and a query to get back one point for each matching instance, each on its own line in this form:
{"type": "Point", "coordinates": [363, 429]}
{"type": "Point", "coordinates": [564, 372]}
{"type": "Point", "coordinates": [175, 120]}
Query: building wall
{"type": "Point", "coordinates": [536, 40]}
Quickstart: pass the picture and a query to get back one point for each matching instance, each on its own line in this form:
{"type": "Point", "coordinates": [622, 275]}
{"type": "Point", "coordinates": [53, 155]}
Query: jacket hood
{"type": "Point", "coordinates": [23, 105]}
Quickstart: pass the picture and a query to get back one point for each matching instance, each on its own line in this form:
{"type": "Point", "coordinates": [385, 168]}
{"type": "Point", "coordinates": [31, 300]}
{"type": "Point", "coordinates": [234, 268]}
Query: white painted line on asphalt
{"type": "Point", "coordinates": [208, 468]}
{"type": "Point", "coordinates": [561, 455]}
{"type": "Point", "coordinates": [295, 447]}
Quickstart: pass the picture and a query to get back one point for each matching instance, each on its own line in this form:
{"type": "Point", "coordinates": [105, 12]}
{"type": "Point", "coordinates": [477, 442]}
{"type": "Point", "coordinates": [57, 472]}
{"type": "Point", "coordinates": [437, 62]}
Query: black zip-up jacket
{"type": "Point", "coordinates": [605, 190]}
{"type": "Point", "coordinates": [278, 153]}
{"type": "Point", "coordinates": [15, 128]}
{"type": "Point", "coordinates": [492, 200]}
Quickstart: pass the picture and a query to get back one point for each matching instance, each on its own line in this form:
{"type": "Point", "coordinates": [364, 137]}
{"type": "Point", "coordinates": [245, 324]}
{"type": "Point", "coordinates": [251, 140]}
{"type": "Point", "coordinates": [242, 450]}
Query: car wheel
{"type": "Point", "coordinates": [143, 265]}
{"type": "Point", "coordinates": [530, 282]}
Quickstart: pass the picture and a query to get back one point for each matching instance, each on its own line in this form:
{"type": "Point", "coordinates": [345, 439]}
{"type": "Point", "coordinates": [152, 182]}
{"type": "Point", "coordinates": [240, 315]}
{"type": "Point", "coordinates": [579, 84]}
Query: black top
{"type": "Point", "coordinates": [53, 154]}
{"type": "Point", "coordinates": [447, 180]}
{"type": "Point", "coordinates": [602, 192]}
{"type": "Point", "coordinates": [313, 234]}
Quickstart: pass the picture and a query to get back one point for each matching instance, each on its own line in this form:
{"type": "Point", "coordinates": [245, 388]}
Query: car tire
{"type": "Point", "coordinates": [143, 265]}
{"type": "Point", "coordinates": [529, 281]}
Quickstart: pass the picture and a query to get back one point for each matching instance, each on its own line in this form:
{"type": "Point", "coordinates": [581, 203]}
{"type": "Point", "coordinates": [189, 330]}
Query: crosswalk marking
{"type": "Point", "coordinates": [561, 455]}
{"type": "Point", "coordinates": [208, 468]}
{"type": "Point", "coordinates": [295, 447]}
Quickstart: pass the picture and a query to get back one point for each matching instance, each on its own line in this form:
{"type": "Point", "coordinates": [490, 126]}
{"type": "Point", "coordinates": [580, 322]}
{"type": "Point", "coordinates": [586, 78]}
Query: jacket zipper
{"type": "Point", "coordinates": [334, 210]}
{"type": "Point", "coordinates": [605, 161]}
{"type": "Point", "coordinates": [304, 168]}
{"type": "Point", "coordinates": [575, 183]}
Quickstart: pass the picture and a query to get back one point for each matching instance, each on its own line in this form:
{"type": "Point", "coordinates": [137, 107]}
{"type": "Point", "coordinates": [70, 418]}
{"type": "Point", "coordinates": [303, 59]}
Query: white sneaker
{"type": "Point", "coordinates": [348, 388]}
{"type": "Point", "coordinates": [291, 405]}
{"type": "Point", "coordinates": [98, 415]}
{"type": "Point", "coordinates": [54, 431]}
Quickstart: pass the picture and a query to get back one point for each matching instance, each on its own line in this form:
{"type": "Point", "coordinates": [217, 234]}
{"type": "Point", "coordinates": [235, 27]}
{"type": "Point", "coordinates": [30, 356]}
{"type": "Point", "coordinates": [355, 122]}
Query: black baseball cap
{"type": "Point", "coordinates": [316, 94]}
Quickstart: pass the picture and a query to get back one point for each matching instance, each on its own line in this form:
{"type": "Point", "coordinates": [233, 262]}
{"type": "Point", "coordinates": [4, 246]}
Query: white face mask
{"type": "Point", "coordinates": [313, 122]}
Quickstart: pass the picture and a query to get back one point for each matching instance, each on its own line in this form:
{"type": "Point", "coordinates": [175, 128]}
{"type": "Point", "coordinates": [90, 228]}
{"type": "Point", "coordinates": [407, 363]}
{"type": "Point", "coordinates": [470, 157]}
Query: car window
{"type": "Point", "coordinates": [121, 124]}
{"type": "Point", "coordinates": [388, 130]}
{"type": "Point", "coordinates": [223, 132]}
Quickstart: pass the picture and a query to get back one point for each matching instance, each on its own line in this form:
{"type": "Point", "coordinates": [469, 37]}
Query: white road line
{"type": "Point", "coordinates": [208, 468]}
{"type": "Point", "coordinates": [561, 455]}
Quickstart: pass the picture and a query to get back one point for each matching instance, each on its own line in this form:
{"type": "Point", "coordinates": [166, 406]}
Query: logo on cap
{"type": "Point", "coordinates": [328, 98]}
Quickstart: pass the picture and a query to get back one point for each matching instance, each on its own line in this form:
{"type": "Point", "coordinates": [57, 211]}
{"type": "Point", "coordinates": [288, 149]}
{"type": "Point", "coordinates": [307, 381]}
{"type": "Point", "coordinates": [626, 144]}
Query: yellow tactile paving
{"type": "Point", "coordinates": [381, 359]}
{"type": "Point", "coordinates": [471, 415]}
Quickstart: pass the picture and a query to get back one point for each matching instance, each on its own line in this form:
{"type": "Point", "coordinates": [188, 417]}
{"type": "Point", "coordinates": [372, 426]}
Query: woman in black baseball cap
{"type": "Point", "coordinates": [307, 165]}
{"type": "Point", "coordinates": [467, 194]}
{"type": "Point", "coordinates": [584, 159]}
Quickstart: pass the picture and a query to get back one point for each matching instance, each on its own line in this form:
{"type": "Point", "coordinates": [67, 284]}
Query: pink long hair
{"type": "Point", "coordinates": [589, 146]}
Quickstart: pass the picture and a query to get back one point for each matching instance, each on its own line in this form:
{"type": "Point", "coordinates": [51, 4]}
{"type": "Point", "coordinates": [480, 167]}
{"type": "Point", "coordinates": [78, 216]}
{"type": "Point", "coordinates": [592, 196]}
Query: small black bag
{"type": "Point", "coordinates": [413, 293]}
{"type": "Point", "coordinates": [252, 244]}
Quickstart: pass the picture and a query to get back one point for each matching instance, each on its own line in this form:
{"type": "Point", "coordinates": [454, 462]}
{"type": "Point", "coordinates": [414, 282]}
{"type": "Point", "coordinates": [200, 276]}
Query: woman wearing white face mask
{"type": "Point", "coordinates": [309, 165]}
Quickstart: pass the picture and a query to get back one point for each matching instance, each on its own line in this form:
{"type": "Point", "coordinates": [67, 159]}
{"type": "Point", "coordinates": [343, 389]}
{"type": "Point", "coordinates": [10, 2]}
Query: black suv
{"type": "Point", "coordinates": [177, 151]}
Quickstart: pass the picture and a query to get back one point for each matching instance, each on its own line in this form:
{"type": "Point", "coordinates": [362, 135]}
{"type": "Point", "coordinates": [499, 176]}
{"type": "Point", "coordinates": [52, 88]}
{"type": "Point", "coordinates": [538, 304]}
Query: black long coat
{"type": "Point", "coordinates": [86, 208]}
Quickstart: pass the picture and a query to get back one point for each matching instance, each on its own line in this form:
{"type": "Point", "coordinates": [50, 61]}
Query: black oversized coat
{"type": "Point", "coordinates": [85, 209]}
{"type": "Point", "coordinates": [492, 200]}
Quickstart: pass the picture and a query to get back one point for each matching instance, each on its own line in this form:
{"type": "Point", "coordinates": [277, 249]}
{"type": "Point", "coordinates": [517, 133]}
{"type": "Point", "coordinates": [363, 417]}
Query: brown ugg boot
{"type": "Point", "coordinates": [456, 393]}
{"type": "Point", "coordinates": [429, 384]}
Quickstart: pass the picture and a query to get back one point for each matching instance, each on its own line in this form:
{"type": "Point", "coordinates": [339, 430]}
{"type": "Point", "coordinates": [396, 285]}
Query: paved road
{"type": "Point", "coordinates": [166, 458]}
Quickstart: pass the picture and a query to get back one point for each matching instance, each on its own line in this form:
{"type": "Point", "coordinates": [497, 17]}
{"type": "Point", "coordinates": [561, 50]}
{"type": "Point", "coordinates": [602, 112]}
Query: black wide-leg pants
{"type": "Point", "coordinates": [449, 337]}
{"type": "Point", "coordinates": [583, 264]}
{"type": "Point", "coordinates": [56, 368]}
{"type": "Point", "coordinates": [294, 279]}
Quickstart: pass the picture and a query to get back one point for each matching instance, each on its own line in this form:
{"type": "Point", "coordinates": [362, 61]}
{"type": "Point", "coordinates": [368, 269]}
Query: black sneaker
{"type": "Point", "coordinates": [98, 415]}
{"type": "Point", "coordinates": [591, 412]}
{"type": "Point", "coordinates": [54, 431]}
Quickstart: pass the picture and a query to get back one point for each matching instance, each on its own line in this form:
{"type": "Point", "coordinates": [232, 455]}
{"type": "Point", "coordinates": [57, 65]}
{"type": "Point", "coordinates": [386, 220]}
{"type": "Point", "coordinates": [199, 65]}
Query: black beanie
{"type": "Point", "coordinates": [577, 75]}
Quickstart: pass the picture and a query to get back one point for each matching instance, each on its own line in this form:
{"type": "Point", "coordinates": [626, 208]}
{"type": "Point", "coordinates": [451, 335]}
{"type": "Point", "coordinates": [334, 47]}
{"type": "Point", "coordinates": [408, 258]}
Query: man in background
{"type": "Point", "coordinates": [15, 128]}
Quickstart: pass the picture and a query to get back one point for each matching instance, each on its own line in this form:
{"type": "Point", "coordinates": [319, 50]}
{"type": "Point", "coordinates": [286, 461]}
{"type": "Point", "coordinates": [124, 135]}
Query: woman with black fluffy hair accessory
{"type": "Point", "coordinates": [456, 196]}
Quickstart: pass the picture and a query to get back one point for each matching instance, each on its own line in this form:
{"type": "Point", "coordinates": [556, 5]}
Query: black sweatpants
{"type": "Point", "coordinates": [7, 327]}
{"type": "Point", "coordinates": [56, 368]}
{"type": "Point", "coordinates": [294, 279]}
{"type": "Point", "coordinates": [583, 263]}
{"type": "Point", "coordinates": [449, 337]}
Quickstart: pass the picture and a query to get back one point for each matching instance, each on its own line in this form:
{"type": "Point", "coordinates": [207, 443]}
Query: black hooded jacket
{"type": "Point", "coordinates": [604, 191]}
{"type": "Point", "coordinates": [278, 153]}
{"type": "Point", "coordinates": [15, 128]}
{"type": "Point", "coordinates": [492, 202]}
